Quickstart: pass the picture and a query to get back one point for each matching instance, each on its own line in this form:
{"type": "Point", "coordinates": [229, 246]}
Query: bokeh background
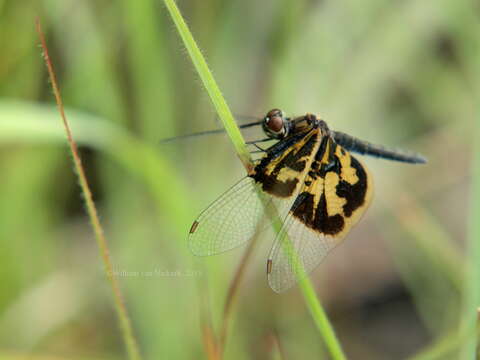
{"type": "Point", "coordinates": [400, 73]}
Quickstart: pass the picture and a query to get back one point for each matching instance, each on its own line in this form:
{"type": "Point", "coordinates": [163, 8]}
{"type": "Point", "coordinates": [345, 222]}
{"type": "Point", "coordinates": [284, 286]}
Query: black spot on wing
{"type": "Point", "coordinates": [316, 218]}
{"type": "Point", "coordinates": [332, 165]}
{"type": "Point", "coordinates": [298, 166]}
{"type": "Point", "coordinates": [276, 187]}
{"type": "Point", "coordinates": [302, 208]}
{"type": "Point", "coordinates": [354, 194]}
{"type": "Point", "coordinates": [329, 225]}
{"type": "Point", "coordinates": [322, 148]}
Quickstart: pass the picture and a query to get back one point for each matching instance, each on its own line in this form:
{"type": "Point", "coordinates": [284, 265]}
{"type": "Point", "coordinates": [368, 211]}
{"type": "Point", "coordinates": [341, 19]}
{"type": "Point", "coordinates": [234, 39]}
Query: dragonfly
{"type": "Point", "coordinates": [317, 188]}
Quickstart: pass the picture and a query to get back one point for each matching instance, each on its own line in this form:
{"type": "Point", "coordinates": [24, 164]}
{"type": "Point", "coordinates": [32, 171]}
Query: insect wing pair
{"type": "Point", "coordinates": [314, 185]}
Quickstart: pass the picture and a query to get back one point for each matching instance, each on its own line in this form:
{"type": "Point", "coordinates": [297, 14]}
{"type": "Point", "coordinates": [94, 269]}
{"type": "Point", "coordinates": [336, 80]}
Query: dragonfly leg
{"type": "Point", "coordinates": [257, 141]}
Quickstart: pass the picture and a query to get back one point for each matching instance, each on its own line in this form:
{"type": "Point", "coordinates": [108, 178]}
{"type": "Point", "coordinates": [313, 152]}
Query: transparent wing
{"type": "Point", "coordinates": [232, 219]}
{"type": "Point", "coordinates": [296, 245]}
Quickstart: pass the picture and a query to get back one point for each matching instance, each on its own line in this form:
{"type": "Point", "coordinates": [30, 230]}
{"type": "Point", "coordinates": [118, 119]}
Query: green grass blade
{"type": "Point", "coordinates": [321, 320]}
{"type": "Point", "coordinates": [210, 85]}
{"type": "Point", "coordinates": [119, 302]}
{"type": "Point", "coordinates": [233, 132]}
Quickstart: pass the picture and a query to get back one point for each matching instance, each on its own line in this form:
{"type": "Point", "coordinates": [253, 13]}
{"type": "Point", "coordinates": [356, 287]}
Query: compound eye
{"type": "Point", "coordinates": [274, 121]}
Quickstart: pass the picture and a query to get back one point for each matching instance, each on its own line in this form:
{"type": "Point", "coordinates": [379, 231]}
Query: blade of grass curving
{"type": "Point", "coordinates": [125, 324]}
{"type": "Point", "coordinates": [321, 320]}
{"type": "Point", "coordinates": [313, 303]}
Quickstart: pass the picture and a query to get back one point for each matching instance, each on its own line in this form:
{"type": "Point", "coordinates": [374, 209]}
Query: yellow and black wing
{"type": "Point", "coordinates": [234, 218]}
{"type": "Point", "coordinates": [335, 194]}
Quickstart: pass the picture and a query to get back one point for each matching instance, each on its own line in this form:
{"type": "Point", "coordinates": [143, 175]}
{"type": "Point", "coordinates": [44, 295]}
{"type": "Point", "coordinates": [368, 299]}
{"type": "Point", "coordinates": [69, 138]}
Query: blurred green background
{"type": "Point", "coordinates": [400, 73]}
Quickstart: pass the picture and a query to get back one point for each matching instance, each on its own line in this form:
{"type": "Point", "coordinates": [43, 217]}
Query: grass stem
{"type": "Point", "coordinates": [125, 323]}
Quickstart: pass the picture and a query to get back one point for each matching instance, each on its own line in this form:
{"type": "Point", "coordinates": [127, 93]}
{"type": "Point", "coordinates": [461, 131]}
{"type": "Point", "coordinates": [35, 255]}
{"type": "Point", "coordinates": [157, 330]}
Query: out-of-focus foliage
{"type": "Point", "coordinates": [397, 73]}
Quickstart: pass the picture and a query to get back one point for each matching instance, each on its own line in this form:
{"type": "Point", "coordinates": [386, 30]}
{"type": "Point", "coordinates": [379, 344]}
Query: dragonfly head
{"type": "Point", "coordinates": [275, 124]}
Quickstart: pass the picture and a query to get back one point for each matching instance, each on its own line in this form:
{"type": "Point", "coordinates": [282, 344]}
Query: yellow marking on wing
{"type": "Point", "coordinates": [316, 188]}
{"type": "Point", "coordinates": [287, 174]}
{"type": "Point", "coordinates": [334, 202]}
{"type": "Point", "coordinates": [326, 153]}
{"type": "Point", "coordinates": [349, 174]}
